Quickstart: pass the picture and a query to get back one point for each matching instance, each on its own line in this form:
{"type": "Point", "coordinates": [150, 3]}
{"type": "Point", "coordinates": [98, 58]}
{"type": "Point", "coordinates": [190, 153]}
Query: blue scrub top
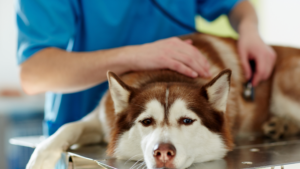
{"type": "Point", "coordinates": [90, 25]}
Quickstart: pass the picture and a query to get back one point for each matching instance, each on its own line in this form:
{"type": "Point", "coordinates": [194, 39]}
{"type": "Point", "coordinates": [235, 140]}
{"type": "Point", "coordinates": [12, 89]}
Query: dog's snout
{"type": "Point", "coordinates": [164, 154]}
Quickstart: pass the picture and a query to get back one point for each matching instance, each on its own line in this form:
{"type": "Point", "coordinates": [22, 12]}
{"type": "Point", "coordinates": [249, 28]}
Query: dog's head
{"type": "Point", "coordinates": [170, 125]}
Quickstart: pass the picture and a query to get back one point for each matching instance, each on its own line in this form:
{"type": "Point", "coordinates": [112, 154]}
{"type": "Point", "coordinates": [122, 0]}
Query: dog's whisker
{"type": "Point", "coordinates": [136, 163]}
{"type": "Point", "coordinates": [141, 165]}
{"type": "Point", "coordinates": [138, 166]}
{"type": "Point", "coordinates": [131, 158]}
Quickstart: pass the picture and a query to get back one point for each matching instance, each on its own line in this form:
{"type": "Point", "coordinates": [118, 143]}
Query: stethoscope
{"type": "Point", "coordinates": [248, 92]}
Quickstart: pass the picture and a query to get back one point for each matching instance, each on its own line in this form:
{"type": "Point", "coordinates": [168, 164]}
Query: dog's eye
{"type": "Point", "coordinates": [186, 121]}
{"type": "Point", "coordinates": [147, 122]}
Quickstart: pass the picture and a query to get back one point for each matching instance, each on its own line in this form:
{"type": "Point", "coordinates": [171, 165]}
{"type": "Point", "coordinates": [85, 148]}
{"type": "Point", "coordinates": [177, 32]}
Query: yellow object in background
{"type": "Point", "coordinates": [221, 26]}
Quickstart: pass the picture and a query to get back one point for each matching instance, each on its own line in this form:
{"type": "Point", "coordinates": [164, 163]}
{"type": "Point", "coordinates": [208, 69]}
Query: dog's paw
{"type": "Point", "coordinates": [44, 157]}
{"type": "Point", "coordinates": [277, 128]}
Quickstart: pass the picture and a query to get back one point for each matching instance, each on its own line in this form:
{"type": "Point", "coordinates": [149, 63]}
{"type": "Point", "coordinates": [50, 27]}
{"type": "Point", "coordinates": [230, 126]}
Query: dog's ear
{"type": "Point", "coordinates": [119, 92]}
{"type": "Point", "coordinates": [216, 91]}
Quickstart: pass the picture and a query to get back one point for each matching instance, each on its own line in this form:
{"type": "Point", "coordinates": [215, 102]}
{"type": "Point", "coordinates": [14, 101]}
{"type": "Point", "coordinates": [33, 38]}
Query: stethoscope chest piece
{"type": "Point", "coordinates": [249, 92]}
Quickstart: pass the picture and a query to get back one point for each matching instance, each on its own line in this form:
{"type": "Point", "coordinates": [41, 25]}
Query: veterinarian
{"type": "Point", "coordinates": [65, 47]}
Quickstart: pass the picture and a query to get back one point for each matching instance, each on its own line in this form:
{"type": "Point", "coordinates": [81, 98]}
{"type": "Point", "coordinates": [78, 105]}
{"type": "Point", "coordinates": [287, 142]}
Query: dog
{"type": "Point", "coordinates": [172, 121]}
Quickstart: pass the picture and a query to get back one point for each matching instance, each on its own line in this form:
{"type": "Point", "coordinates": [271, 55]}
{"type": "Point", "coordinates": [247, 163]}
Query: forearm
{"type": "Point", "coordinates": [243, 18]}
{"type": "Point", "coordinates": [57, 70]}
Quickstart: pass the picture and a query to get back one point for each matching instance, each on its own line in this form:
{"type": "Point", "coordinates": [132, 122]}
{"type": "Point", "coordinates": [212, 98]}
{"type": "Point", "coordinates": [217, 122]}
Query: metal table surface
{"type": "Point", "coordinates": [253, 153]}
{"type": "Point", "coordinates": [248, 153]}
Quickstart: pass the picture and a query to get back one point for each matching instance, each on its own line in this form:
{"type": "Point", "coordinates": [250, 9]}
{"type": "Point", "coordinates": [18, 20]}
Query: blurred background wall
{"type": "Point", "coordinates": [279, 22]}
{"type": "Point", "coordinates": [21, 115]}
{"type": "Point", "coordinates": [9, 70]}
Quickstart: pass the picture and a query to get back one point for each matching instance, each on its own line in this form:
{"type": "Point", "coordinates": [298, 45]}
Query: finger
{"type": "Point", "coordinates": [203, 61]}
{"type": "Point", "coordinates": [272, 59]}
{"type": "Point", "coordinates": [259, 73]}
{"type": "Point", "coordinates": [181, 68]}
{"type": "Point", "coordinates": [193, 58]}
{"type": "Point", "coordinates": [198, 65]}
{"type": "Point", "coordinates": [188, 41]}
{"type": "Point", "coordinates": [268, 72]}
{"type": "Point", "coordinates": [207, 66]}
{"type": "Point", "coordinates": [245, 63]}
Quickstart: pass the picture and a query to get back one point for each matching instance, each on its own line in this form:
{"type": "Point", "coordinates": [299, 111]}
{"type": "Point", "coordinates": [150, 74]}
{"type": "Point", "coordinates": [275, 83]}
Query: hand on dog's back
{"type": "Point", "coordinates": [171, 53]}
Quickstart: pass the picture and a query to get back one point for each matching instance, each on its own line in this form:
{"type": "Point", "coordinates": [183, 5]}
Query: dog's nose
{"type": "Point", "coordinates": [164, 153]}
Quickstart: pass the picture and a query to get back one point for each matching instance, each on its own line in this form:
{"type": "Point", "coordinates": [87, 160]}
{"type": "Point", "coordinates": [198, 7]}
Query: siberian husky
{"type": "Point", "coordinates": [172, 121]}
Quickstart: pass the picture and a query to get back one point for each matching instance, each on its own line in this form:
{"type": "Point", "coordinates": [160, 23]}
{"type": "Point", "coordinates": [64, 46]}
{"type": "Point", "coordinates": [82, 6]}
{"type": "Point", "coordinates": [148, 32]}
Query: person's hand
{"type": "Point", "coordinates": [251, 47]}
{"type": "Point", "coordinates": [171, 53]}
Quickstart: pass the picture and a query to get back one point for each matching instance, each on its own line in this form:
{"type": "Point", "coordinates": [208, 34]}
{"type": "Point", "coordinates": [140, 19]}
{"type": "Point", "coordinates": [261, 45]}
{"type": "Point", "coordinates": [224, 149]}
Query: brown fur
{"type": "Point", "coordinates": [242, 118]}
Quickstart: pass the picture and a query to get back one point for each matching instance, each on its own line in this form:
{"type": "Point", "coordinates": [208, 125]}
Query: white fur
{"type": "Point", "coordinates": [167, 97]}
{"type": "Point", "coordinates": [119, 95]}
{"type": "Point", "coordinates": [218, 93]}
{"type": "Point", "coordinates": [198, 142]}
{"type": "Point", "coordinates": [129, 144]}
{"type": "Point", "coordinates": [86, 131]}
{"type": "Point", "coordinates": [283, 106]}
{"type": "Point", "coordinates": [193, 143]}
{"type": "Point", "coordinates": [103, 120]}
